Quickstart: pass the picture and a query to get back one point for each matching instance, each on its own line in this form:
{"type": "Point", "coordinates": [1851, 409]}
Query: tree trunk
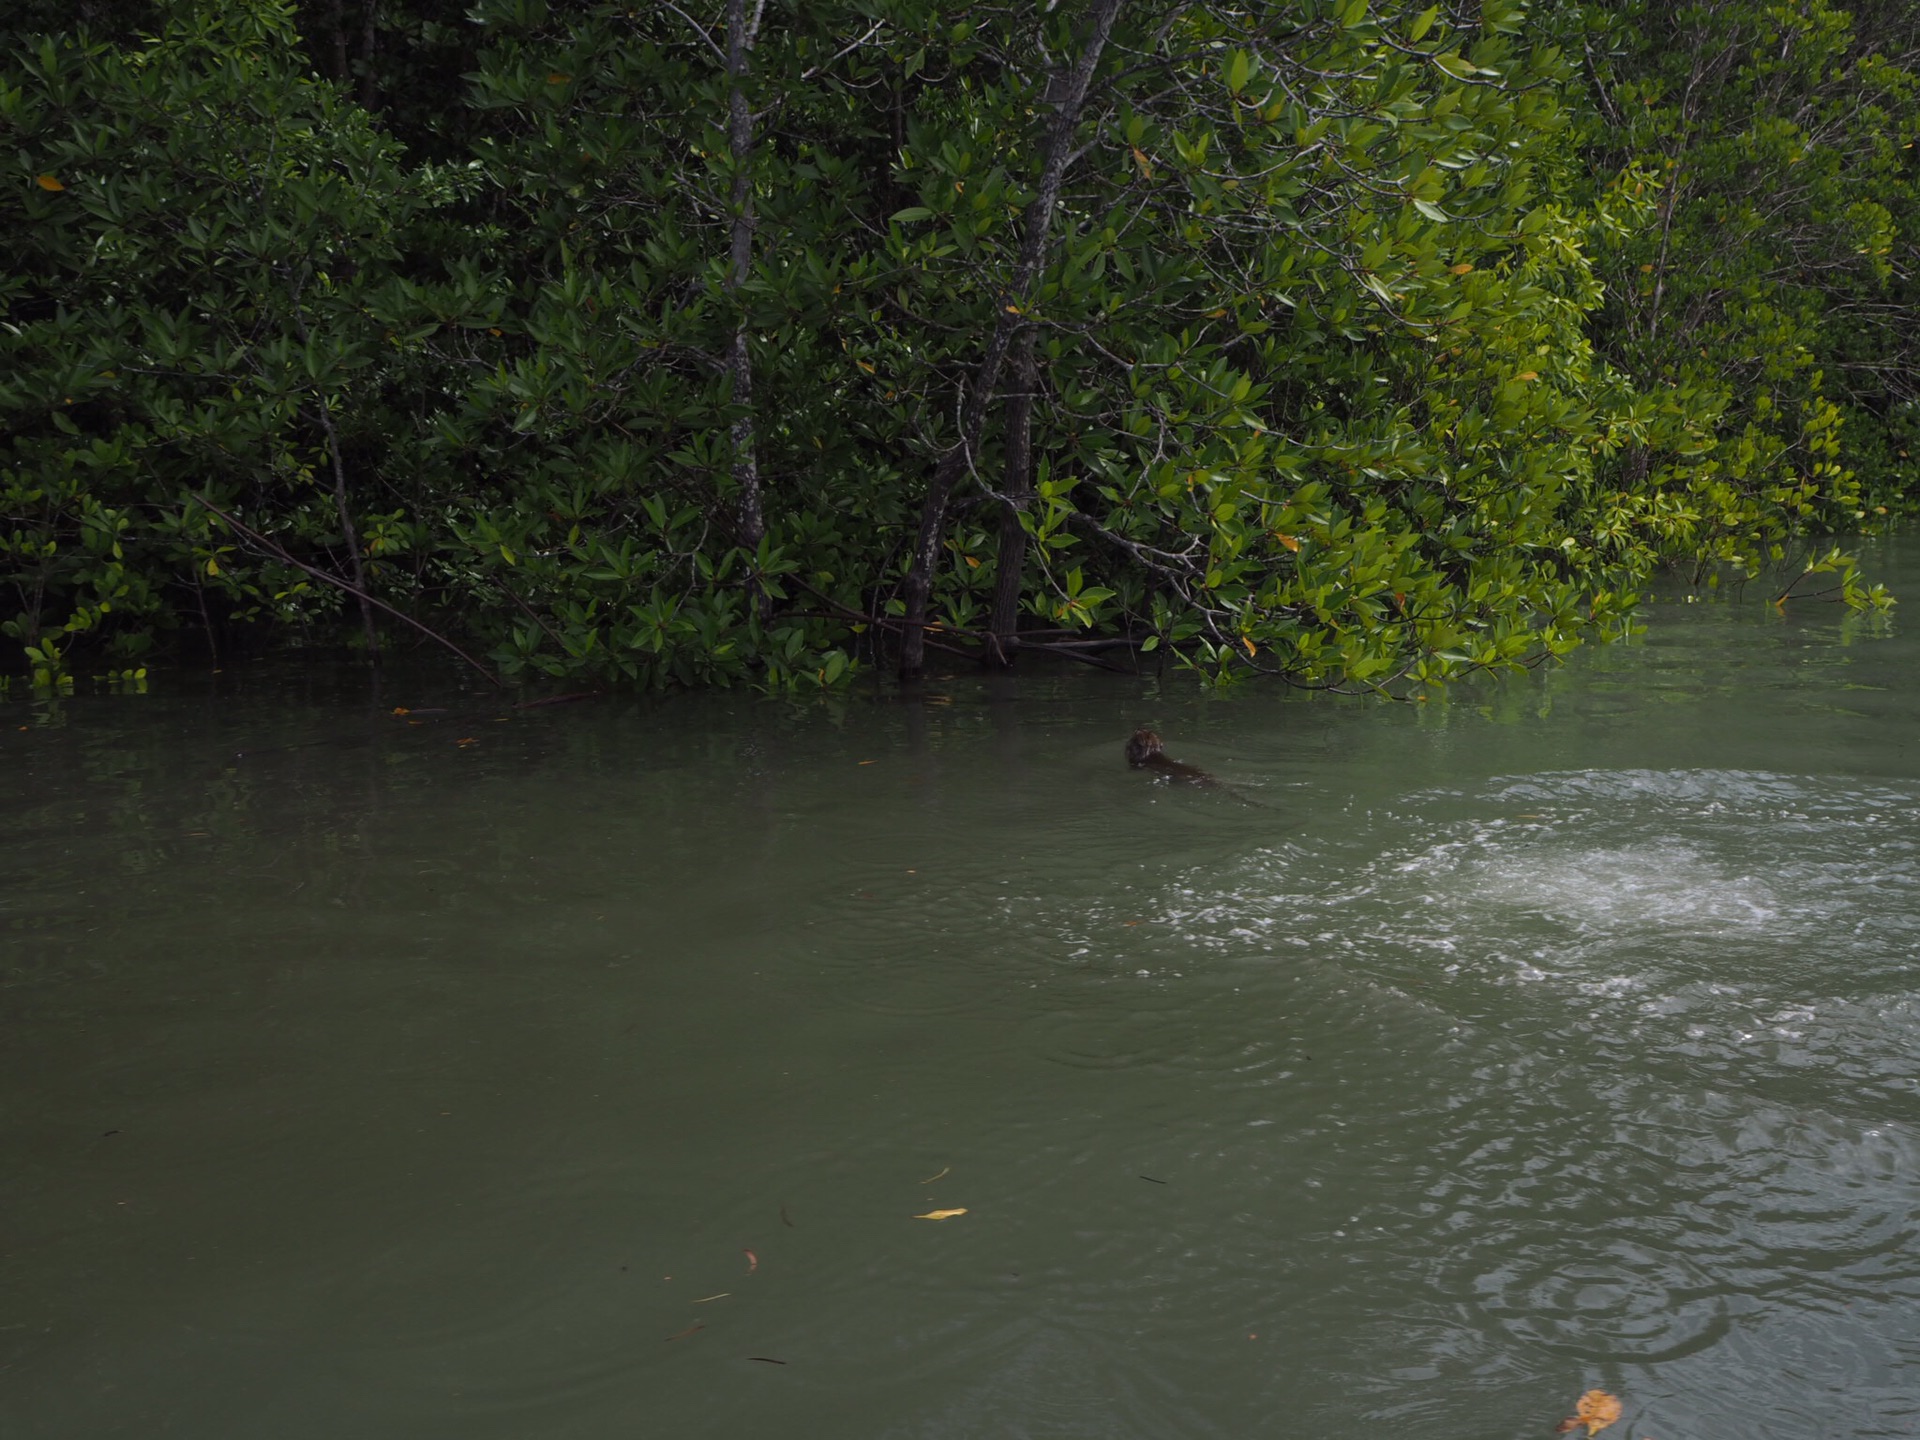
{"type": "Point", "coordinates": [369, 39]}
{"type": "Point", "coordinates": [958, 460]}
{"type": "Point", "coordinates": [1018, 488]}
{"type": "Point", "coordinates": [742, 31]}
{"type": "Point", "coordinates": [348, 532]}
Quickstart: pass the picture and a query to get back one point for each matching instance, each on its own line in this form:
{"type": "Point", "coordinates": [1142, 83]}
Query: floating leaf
{"type": "Point", "coordinates": [753, 1261]}
{"type": "Point", "coordinates": [1596, 1410]}
{"type": "Point", "coordinates": [941, 1214]}
{"type": "Point", "coordinates": [48, 183]}
{"type": "Point", "coordinates": [945, 1170]}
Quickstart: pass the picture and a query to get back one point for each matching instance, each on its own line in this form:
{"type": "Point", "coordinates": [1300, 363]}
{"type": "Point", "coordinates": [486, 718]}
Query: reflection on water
{"type": "Point", "coordinates": [581, 1072]}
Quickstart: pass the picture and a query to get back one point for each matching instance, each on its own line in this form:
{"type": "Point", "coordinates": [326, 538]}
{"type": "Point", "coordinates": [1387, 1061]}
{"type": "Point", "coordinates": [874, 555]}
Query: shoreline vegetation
{"type": "Point", "coordinates": [1362, 345]}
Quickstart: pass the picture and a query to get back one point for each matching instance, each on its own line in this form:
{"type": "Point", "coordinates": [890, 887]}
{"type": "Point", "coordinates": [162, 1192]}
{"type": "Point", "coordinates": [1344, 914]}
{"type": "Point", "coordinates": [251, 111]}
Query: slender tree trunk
{"type": "Point", "coordinates": [1072, 93]}
{"type": "Point", "coordinates": [342, 66]}
{"type": "Point", "coordinates": [1011, 560]}
{"type": "Point", "coordinates": [369, 38]}
{"type": "Point", "coordinates": [742, 31]}
{"type": "Point", "coordinates": [347, 530]}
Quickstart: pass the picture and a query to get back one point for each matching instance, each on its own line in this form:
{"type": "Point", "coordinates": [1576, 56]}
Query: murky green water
{"type": "Point", "coordinates": [1566, 1034]}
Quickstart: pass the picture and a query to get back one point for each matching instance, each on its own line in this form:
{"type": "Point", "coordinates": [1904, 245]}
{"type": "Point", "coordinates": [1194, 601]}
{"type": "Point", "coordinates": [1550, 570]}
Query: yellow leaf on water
{"type": "Point", "coordinates": [47, 182]}
{"type": "Point", "coordinates": [941, 1214]}
{"type": "Point", "coordinates": [1596, 1410]}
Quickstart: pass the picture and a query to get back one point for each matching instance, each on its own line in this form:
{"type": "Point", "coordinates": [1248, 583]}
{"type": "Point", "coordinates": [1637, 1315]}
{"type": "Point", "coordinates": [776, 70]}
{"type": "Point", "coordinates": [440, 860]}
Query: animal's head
{"type": "Point", "coordinates": [1142, 747]}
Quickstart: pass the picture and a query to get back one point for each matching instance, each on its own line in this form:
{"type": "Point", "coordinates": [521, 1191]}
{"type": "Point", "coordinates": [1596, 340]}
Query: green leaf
{"type": "Point", "coordinates": [1422, 23]}
{"type": "Point", "coordinates": [912, 212]}
{"type": "Point", "coordinates": [1431, 211]}
{"type": "Point", "coordinates": [1239, 68]}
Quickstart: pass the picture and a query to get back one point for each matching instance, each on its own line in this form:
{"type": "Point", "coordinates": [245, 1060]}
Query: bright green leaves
{"type": "Point", "coordinates": [1314, 390]}
{"type": "Point", "coordinates": [1239, 71]}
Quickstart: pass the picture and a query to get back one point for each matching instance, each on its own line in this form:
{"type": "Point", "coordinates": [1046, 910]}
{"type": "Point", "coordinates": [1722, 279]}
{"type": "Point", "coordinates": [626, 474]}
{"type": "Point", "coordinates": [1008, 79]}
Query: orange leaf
{"type": "Point", "coordinates": [47, 182]}
{"type": "Point", "coordinates": [941, 1214]}
{"type": "Point", "coordinates": [554, 77]}
{"type": "Point", "coordinates": [1249, 644]}
{"type": "Point", "coordinates": [1528, 375]}
{"type": "Point", "coordinates": [753, 1261]}
{"type": "Point", "coordinates": [1596, 1410]}
{"type": "Point", "coordinates": [1463, 268]}
{"type": "Point", "coordinates": [1288, 541]}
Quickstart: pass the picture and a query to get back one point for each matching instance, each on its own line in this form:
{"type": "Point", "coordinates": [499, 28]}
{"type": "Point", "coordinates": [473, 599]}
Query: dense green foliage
{"type": "Point", "coordinates": [1358, 343]}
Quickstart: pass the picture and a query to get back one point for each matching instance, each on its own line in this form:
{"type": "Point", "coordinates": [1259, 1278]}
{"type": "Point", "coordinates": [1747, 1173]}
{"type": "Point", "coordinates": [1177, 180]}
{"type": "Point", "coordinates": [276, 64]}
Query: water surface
{"type": "Point", "coordinates": [388, 1079]}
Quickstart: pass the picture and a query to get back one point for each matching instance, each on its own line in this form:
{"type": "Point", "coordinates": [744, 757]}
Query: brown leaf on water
{"type": "Point", "coordinates": [753, 1261]}
{"type": "Point", "coordinates": [941, 1214]}
{"type": "Point", "coordinates": [1596, 1410]}
{"type": "Point", "coordinates": [945, 1170]}
{"type": "Point", "coordinates": [686, 1332]}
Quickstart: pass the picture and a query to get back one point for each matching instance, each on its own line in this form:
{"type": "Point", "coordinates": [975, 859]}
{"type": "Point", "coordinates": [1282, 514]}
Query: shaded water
{"type": "Point", "coordinates": [1561, 1034]}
